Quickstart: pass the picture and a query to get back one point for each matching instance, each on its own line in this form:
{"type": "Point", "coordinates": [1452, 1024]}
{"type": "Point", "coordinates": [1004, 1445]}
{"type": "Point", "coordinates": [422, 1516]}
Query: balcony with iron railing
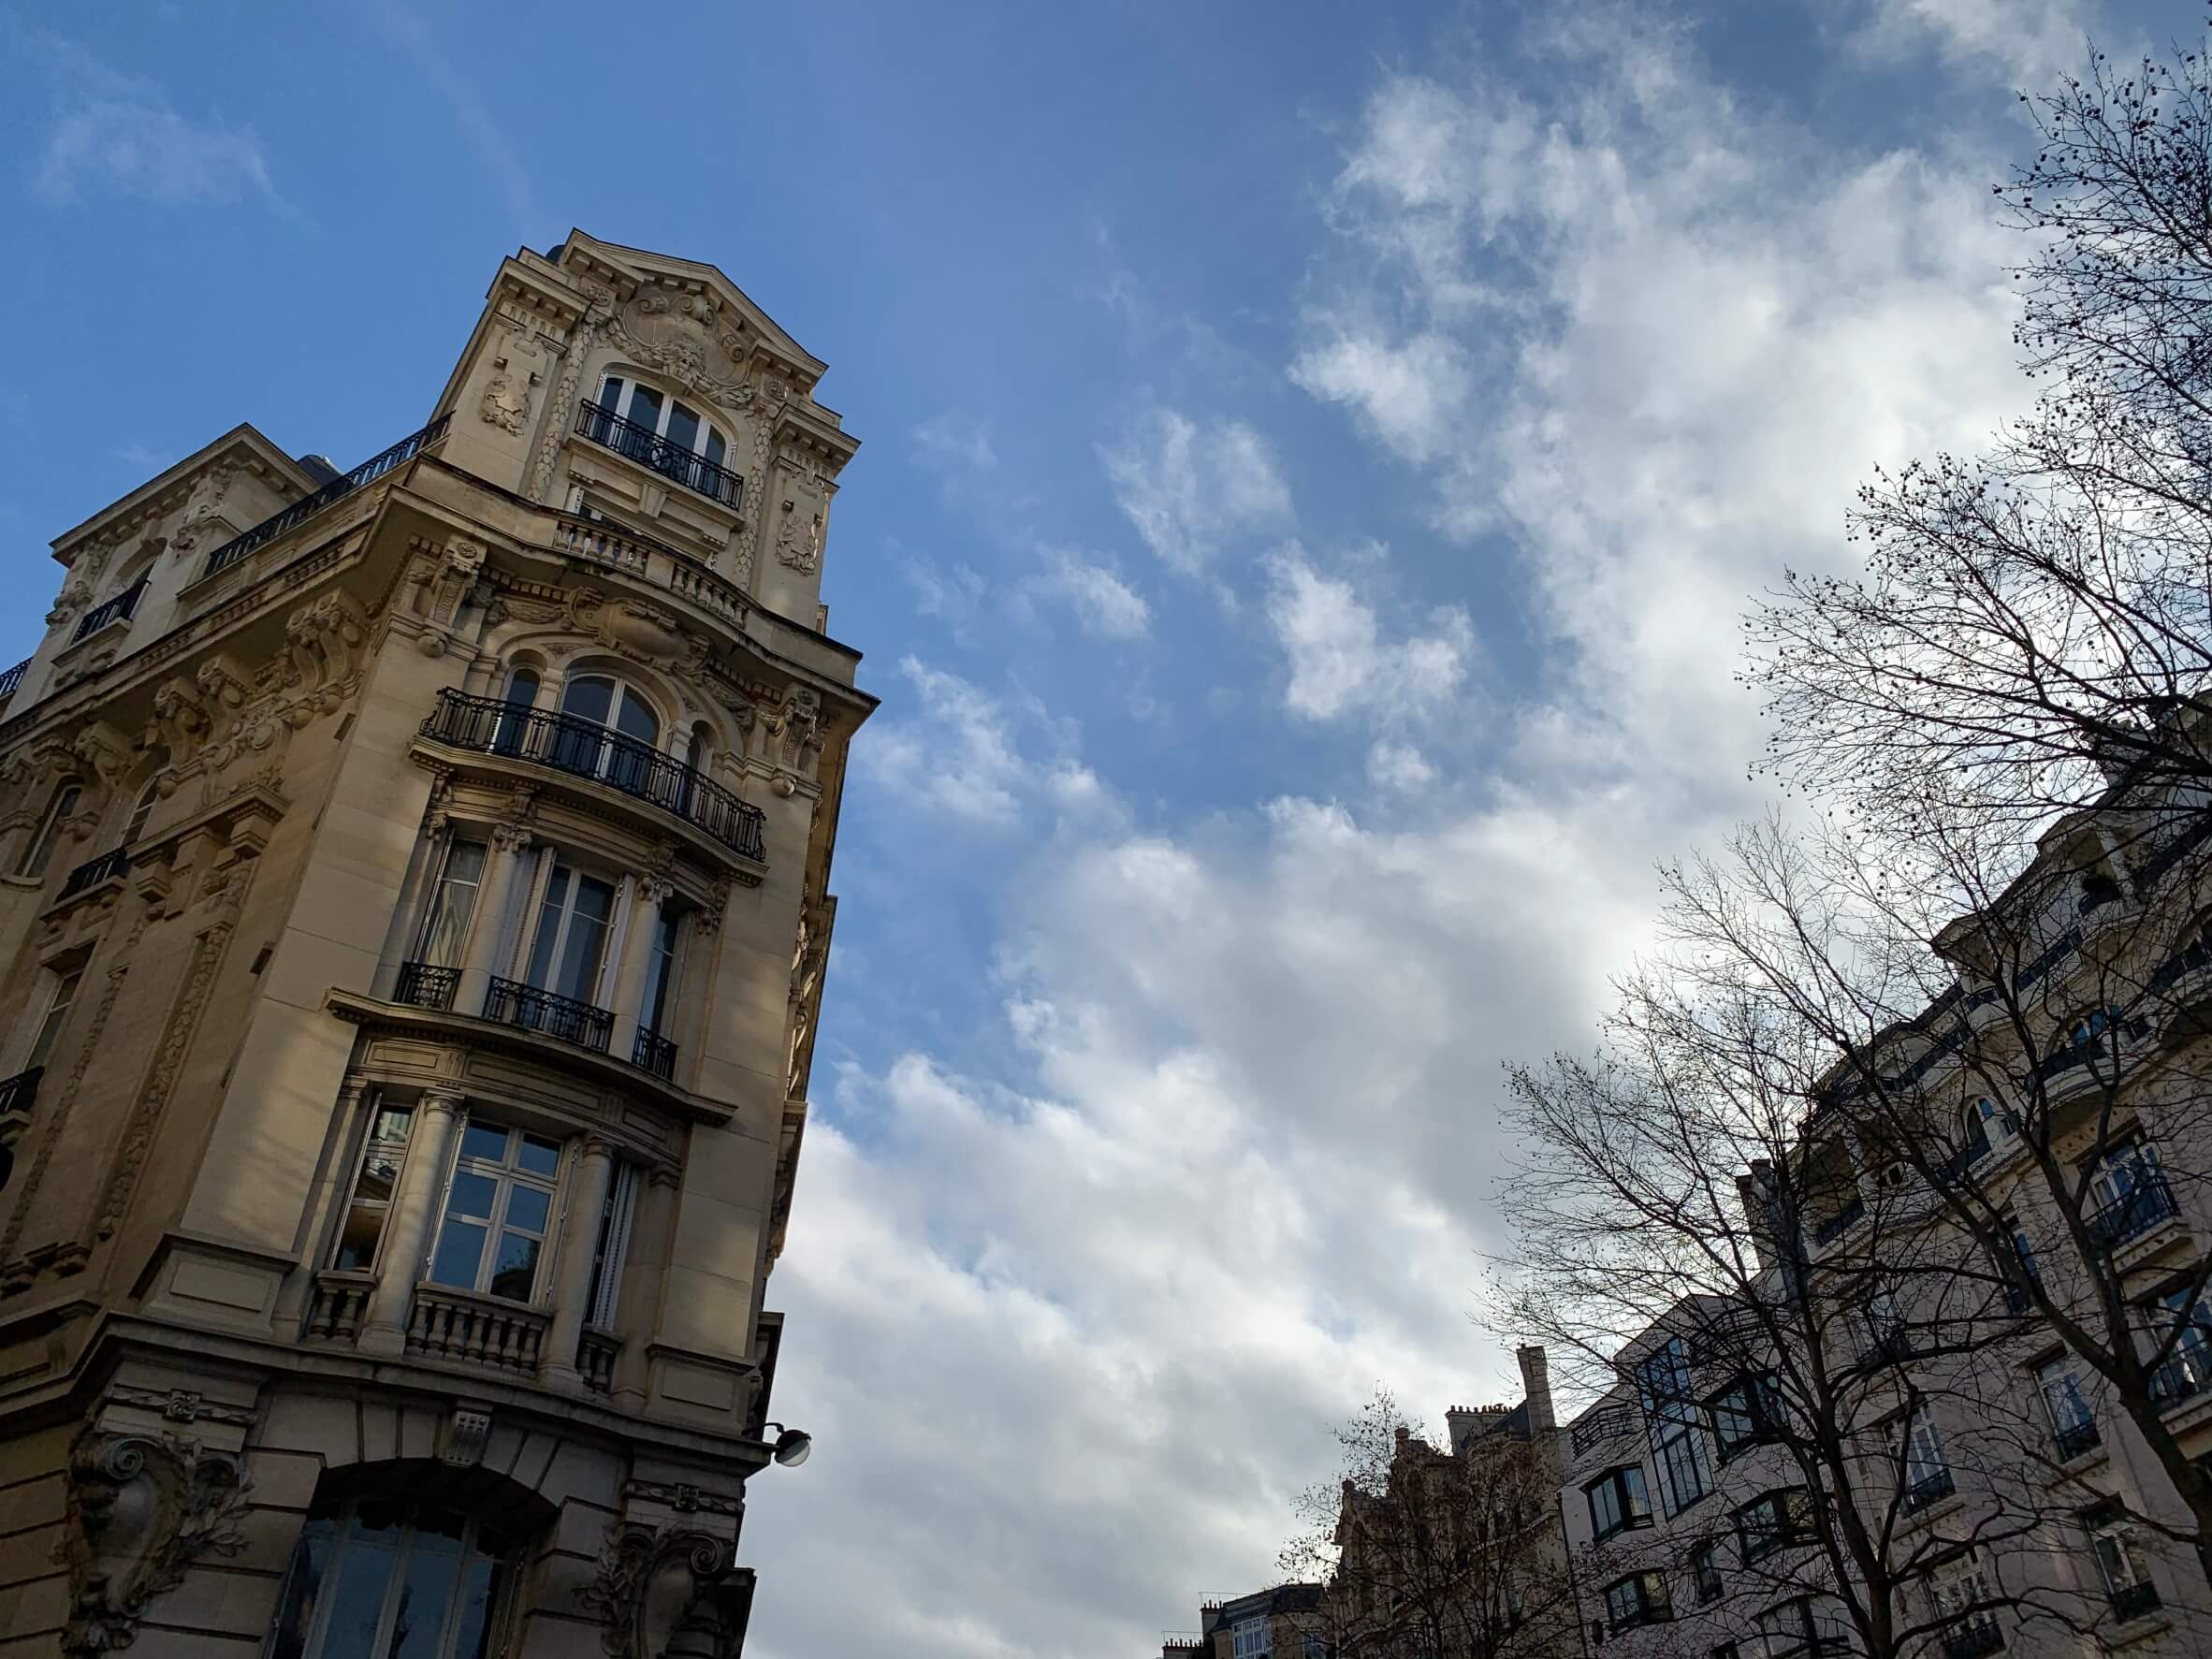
{"type": "Point", "coordinates": [1928, 1491]}
{"type": "Point", "coordinates": [110, 865]}
{"type": "Point", "coordinates": [1973, 1638]}
{"type": "Point", "coordinates": [119, 609]}
{"type": "Point", "coordinates": [375, 467]}
{"type": "Point", "coordinates": [599, 754]}
{"type": "Point", "coordinates": [657, 453]}
{"type": "Point", "coordinates": [528, 1009]}
{"type": "Point", "coordinates": [2078, 1439]}
{"type": "Point", "coordinates": [2134, 1213]}
{"type": "Point", "coordinates": [19, 1093]}
{"type": "Point", "coordinates": [653, 1053]}
{"type": "Point", "coordinates": [2138, 1600]}
{"type": "Point", "coordinates": [12, 679]}
{"type": "Point", "coordinates": [423, 984]}
{"type": "Point", "coordinates": [2182, 1377]}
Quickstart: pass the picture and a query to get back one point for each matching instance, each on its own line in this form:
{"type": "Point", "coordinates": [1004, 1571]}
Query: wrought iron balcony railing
{"type": "Point", "coordinates": [306, 507]}
{"type": "Point", "coordinates": [2184, 1376]}
{"type": "Point", "coordinates": [529, 1009]}
{"type": "Point", "coordinates": [689, 469]}
{"type": "Point", "coordinates": [653, 1053]}
{"type": "Point", "coordinates": [13, 677]}
{"type": "Point", "coordinates": [20, 1092]}
{"type": "Point", "coordinates": [2076, 1439]}
{"type": "Point", "coordinates": [2135, 1601]}
{"type": "Point", "coordinates": [2133, 1214]}
{"type": "Point", "coordinates": [93, 871]}
{"type": "Point", "coordinates": [1974, 1639]}
{"type": "Point", "coordinates": [423, 984]}
{"type": "Point", "coordinates": [123, 605]}
{"type": "Point", "coordinates": [586, 748]}
{"type": "Point", "coordinates": [1930, 1490]}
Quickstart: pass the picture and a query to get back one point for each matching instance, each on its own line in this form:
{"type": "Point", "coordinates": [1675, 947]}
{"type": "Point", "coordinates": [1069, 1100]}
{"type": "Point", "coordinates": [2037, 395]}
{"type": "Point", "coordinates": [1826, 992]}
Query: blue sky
{"type": "Point", "coordinates": [1314, 460]}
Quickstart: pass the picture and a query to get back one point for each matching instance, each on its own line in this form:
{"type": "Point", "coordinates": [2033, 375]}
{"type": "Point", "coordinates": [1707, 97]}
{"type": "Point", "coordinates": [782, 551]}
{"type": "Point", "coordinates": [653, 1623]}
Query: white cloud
{"type": "Point", "coordinates": [953, 439]}
{"type": "Point", "coordinates": [1410, 392]}
{"type": "Point", "coordinates": [1104, 603]}
{"type": "Point", "coordinates": [1341, 662]}
{"type": "Point", "coordinates": [120, 135]}
{"type": "Point", "coordinates": [1188, 489]}
{"type": "Point", "coordinates": [1398, 766]}
{"type": "Point", "coordinates": [957, 757]}
{"type": "Point", "coordinates": [2031, 41]}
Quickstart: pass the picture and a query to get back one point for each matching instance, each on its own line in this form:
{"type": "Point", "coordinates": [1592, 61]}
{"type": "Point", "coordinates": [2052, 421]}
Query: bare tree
{"type": "Point", "coordinates": [1702, 1230]}
{"type": "Point", "coordinates": [1450, 1553]}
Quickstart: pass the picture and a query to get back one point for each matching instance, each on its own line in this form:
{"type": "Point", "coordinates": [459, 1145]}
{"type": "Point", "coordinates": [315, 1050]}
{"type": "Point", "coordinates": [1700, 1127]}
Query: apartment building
{"type": "Point", "coordinates": [414, 898]}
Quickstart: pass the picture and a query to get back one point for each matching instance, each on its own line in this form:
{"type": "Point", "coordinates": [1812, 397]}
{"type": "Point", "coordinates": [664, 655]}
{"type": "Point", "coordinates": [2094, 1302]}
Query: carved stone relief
{"type": "Point", "coordinates": [142, 1510]}
{"type": "Point", "coordinates": [668, 1591]}
{"type": "Point", "coordinates": [505, 403]}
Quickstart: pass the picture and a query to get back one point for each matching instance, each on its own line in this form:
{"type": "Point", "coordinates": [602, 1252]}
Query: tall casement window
{"type": "Point", "coordinates": [568, 950]}
{"type": "Point", "coordinates": [1805, 1625]}
{"type": "Point", "coordinates": [2183, 1318]}
{"type": "Point", "coordinates": [1616, 1501]}
{"type": "Point", "coordinates": [1958, 1594]}
{"type": "Point", "coordinates": [1988, 1127]}
{"type": "Point", "coordinates": [1705, 1572]}
{"type": "Point", "coordinates": [66, 799]}
{"type": "Point", "coordinates": [1675, 1424]}
{"type": "Point", "coordinates": [1926, 1474]}
{"type": "Point", "coordinates": [392, 1579]}
{"type": "Point", "coordinates": [453, 903]}
{"type": "Point", "coordinates": [498, 1213]}
{"type": "Point", "coordinates": [652, 1010]}
{"type": "Point", "coordinates": [518, 696]}
{"type": "Point", "coordinates": [142, 809]}
{"type": "Point", "coordinates": [58, 1002]}
{"type": "Point", "coordinates": [2120, 1566]}
{"type": "Point", "coordinates": [661, 432]}
{"type": "Point", "coordinates": [1252, 1638]}
{"type": "Point", "coordinates": [2066, 1404]}
{"type": "Point", "coordinates": [2022, 1273]}
{"type": "Point", "coordinates": [612, 1248]}
{"type": "Point", "coordinates": [375, 1180]}
{"type": "Point", "coordinates": [608, 730]}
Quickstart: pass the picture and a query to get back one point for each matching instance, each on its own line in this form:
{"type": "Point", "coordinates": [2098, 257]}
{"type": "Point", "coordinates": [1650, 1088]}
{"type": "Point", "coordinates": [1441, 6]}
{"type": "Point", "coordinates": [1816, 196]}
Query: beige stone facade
{"type": "Point", "coordinates": [414, 898]}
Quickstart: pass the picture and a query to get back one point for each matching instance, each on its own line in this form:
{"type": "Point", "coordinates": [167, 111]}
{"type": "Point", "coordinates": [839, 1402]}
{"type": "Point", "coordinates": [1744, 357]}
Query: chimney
{"type": "Point", "coordinates": [1755, 1190]}
{"type": "Point", "coordinates": [1535, 1382]}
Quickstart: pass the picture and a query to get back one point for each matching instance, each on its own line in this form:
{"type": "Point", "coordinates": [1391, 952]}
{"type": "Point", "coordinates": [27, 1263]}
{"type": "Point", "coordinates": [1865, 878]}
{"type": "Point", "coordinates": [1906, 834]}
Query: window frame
{"type": "Point", "coordinates": [1749, 1398]}
{"type": "Point", "coordinates": [507, 1177]}
{"type": "Point", "coordinates": [435, 905]}
{"type": "Point", "coordinates": [60, 999]}
{"type": "Point", "coordinates": [1253, 1638]}
{"type": "Point", "coordinates": [708, 433]}
{"type": "Point", "coordinates": [1705, 1585]}
{"type": "Point", "coordinates": [556, 860]}
{"type": "Point", "coordinates": [499, 1551]}
{"type": "Point", "coordinates": [64, 804]}
{"type": "Point", "coordinates": [387, 1132]}
{"type": "Point", "coordinates": [1614, 1482]}
{"type": "Point", "coordinates": [1674, 1426]}
{"type": "Point", "coordinates": [1794, 1523]}
{"type": "Point", "coordinates": [1651, 1605]}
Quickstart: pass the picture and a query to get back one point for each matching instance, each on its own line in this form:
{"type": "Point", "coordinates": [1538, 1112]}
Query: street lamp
{"type": "Point", "coordinates": [791, 1445]}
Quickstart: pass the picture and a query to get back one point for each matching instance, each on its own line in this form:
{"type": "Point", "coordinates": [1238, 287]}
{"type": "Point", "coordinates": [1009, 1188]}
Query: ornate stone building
{"type": "Point", "coordinates": [414, 898]}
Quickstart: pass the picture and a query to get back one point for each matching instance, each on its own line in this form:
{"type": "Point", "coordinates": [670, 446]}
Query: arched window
{"type": "Point", "coordinates": [1987, 1124]}
{"type": "Point", "coordinates": [608, 730]}
{"type": "Point", "coordinates": [392, 1579]}
{"type": "Point", "coordinates": [664, 433]}
{"type": "Point", "coordinates": [513, 732]}
{"type": "Point", "coordinates": [66, 799]}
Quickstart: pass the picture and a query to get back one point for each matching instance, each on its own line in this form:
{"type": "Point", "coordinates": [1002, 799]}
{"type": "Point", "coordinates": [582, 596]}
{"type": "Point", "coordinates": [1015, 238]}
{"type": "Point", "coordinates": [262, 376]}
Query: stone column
{"type": "Point", "coordinates": [495, 897]}
{"type": "Point", "coordinates": [646, 898]}
{"type": "Point", "coordinates": [407, 1224]}
{"type": "Point", "coordinates": [595, 1168]}
{"type": "Point", "coordinates": [638, 1315]}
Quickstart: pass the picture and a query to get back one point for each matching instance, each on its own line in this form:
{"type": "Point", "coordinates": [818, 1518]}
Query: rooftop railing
{"type": "Point", "coordinates": [13, 677]}
{"type": "Point", "coordinates": [115, 610]}
{"type": "Point", "coordinates": [375, 467]}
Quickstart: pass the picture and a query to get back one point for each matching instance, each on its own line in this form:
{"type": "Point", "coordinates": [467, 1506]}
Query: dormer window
{"type": "Point", "coordinates": [659, 431]}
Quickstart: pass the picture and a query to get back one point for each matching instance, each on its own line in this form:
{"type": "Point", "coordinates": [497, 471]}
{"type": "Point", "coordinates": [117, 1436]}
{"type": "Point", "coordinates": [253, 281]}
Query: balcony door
{"type": "Point", "coordinates": [608, 730]}
{"type": "Point", "coordinates": [568, 951]}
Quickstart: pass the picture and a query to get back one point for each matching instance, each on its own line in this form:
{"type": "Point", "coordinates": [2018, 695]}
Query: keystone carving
{"type": "Point", "coordinates": [668, 1591]}
{"type": "Point", "coordinates": [142, 1510]}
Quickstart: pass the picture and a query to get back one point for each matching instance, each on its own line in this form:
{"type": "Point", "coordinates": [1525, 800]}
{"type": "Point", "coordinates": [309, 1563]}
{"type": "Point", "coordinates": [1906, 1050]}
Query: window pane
{"type": "Point", "coordinates": [515, 1273]}
{"type": "Point", "coordinates": [479, 1589]}
{"type": "Point", "coordinates": [460, 1250]}
{"type": "Point", "coordinates": [419, 1621]}
{"type": "Point", "coordinates": [578, 974]}
{"type": "Point", "coordinates": [714, 446]}
{"type": "Point", "coordinates": [549, 914]}
{"type": "Point", "coordinates": [487, 1142]}
{"type": "Point", "coordinates": [357, 1605]}
{"type": "Point", "coordinates": [453, 904]}
{"type": "Point", "coordinates": [356, 1240]}
{"type": "Point", "coordinates": [637, 718]}
{"type": "Point", "coordinates": [528, 1207]}
{"type": "Point", "coordinates": [610, 395]}
{"type": "Point", "coordinates": [645, 407]}
{"type": "Point", "coordinates": [589, 698]}
{"type": "Point", "coordinates": [57, 1014]}
{"type": "Point", "coordinates": [683, 428]}
{"type": "Point", "coordinates": [539, 1156]}
{"type": "Point", "coordinates": [303, 1592]}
